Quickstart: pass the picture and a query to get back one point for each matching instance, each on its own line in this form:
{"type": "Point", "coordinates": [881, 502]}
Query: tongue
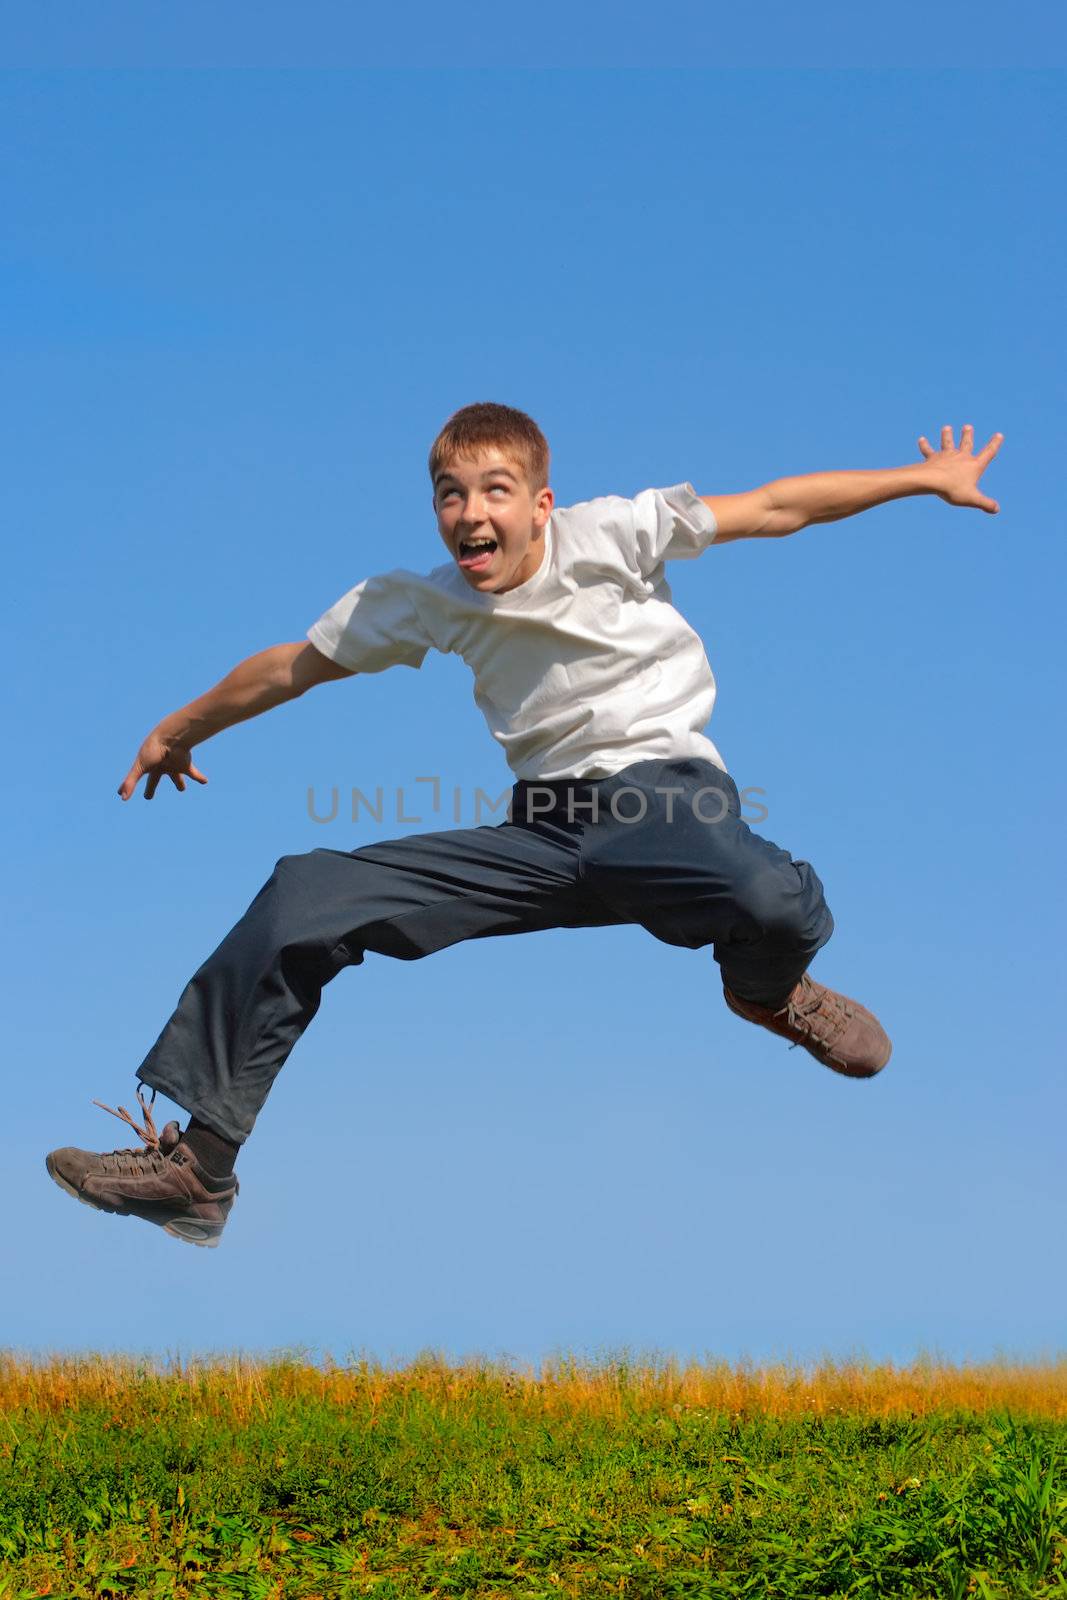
{"type": "Point", "coordinates": [477, 558]}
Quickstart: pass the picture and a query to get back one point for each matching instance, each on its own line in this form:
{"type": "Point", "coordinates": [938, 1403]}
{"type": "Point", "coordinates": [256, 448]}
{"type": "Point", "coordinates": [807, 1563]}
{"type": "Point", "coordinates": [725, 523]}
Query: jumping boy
{"type": "Point", "coordinates": [622, 812]}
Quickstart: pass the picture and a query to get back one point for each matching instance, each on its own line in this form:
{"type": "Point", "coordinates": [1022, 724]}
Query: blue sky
{"type": "Point", "coordinates": [597, 34]}
{"type": "Point", "coordinates": [238, 305]}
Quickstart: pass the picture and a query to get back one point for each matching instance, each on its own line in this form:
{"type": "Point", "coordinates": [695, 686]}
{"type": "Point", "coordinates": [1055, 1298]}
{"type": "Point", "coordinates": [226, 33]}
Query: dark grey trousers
{"type": "Point", "coordinates": [660, 844]}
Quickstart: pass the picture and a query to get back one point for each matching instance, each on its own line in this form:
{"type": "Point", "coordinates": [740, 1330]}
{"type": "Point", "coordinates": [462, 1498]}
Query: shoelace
{"type": "Point", "coordinates": [825, 1022]}
{"type": "Point", "coordinates": [125, 1160]}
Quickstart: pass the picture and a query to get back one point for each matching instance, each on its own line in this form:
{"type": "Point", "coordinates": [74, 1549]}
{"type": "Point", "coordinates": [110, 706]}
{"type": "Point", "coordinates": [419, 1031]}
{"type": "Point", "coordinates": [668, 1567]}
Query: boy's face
{"type": "Point", "coordinates": [487, 498]}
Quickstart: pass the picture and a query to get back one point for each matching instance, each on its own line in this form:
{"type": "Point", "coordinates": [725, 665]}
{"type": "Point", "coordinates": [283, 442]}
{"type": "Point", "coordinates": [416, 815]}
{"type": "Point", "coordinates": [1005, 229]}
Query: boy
{"type": "Point", "coordinates": [623, 811]}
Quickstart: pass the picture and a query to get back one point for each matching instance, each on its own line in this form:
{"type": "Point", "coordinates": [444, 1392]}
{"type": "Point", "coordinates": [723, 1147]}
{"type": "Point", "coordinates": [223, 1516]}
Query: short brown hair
{"type": "Point", "coordinates": [486, 425]}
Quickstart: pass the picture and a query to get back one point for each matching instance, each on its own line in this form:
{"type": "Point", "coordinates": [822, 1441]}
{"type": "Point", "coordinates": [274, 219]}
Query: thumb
{"type": "Point", "coordinates": [131, 780]}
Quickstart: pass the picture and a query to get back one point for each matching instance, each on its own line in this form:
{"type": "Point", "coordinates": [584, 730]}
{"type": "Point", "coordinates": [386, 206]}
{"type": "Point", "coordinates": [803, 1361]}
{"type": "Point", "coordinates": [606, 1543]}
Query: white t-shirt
{"type": "Point", "coordinates": [581, 670]}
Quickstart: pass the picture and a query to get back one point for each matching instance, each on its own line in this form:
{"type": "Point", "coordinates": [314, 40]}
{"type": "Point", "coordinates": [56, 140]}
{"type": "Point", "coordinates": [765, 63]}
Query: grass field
{"type": "Point", "coordinates": [284, 1478]}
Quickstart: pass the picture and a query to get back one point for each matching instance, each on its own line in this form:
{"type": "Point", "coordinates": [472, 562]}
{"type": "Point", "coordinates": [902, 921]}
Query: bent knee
{"type": "Point", "coordinates": [303, 876]}
{"type": "Point", "coordinates": [786, 902]}
{"type": "Point", "coordinates": [304, 863]}
{"type": "Point", "coordinates": [287, 868]}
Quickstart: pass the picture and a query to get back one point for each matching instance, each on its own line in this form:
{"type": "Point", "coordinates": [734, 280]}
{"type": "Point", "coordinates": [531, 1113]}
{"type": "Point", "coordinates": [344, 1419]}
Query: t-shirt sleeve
{"type": "Point", "coordinates": [374, 626]}
{"type": "Point", "coordinates": [671, 525]}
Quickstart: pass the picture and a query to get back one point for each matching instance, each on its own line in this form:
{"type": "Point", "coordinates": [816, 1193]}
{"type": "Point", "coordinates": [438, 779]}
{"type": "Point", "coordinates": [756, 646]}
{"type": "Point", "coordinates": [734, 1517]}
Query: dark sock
{"type": "Point", "coordinates": [214, 1153]}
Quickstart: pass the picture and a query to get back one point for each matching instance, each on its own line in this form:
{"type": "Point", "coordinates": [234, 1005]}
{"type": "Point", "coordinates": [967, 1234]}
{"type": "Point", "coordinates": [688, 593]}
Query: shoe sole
{"type": "Point", "coordinates": [187, 1230]}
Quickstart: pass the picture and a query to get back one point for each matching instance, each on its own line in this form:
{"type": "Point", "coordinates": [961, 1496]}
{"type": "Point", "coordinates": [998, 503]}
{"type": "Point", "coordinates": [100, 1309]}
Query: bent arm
{"type": "Point", "coordinates": [262, 681]}
{"type": "Point", "coordinates": [255, 685]}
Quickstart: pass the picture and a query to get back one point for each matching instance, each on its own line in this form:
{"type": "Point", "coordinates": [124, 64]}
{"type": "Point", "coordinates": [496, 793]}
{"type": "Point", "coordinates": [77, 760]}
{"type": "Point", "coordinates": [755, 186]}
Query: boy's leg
{"type": "Point", "coordinates": [241, 1013]}
{"type": "Point", "coordinates": [691, 871]}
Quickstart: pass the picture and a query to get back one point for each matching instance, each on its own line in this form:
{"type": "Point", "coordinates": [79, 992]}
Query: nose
{"type": "Point", "coordinates": [473, 512]}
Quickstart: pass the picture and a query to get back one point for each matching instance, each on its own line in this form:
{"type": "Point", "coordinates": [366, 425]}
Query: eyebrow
{"type": "Point", "coordinates": [490, 472]}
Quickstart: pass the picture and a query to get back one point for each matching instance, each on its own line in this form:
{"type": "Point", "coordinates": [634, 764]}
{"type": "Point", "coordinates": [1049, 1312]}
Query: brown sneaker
{"type": "Point", "coordinates": [837, 1031]}
{"type": "Point", "coordinates": [163, 1182]}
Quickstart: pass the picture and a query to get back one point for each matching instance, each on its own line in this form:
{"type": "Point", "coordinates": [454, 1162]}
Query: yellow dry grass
{"type": "Point", "coordinates": [241, 1388]}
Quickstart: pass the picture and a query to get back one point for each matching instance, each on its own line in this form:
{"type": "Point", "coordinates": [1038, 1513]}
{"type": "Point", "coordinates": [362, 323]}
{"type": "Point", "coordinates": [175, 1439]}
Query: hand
{"type": "Point", "coordinates": [159, 760]}
{"type": "Point", "coordinates": [955, 473]}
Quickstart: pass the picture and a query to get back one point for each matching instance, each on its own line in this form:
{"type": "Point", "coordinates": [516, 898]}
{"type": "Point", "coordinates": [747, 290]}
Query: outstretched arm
{"type": "Point", "coordinates": [262, 681]}
{"type": "Point", "coordinates": [788, 504]}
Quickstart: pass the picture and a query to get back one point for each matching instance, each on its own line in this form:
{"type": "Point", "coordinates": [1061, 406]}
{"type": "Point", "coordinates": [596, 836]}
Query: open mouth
{"type": "Point", "coordinates": [476, 553]}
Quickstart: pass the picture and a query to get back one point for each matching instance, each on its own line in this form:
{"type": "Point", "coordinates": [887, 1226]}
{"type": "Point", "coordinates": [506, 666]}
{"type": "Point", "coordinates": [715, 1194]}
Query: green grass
{"type": "Point", "coordinates": [280, 1480]}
